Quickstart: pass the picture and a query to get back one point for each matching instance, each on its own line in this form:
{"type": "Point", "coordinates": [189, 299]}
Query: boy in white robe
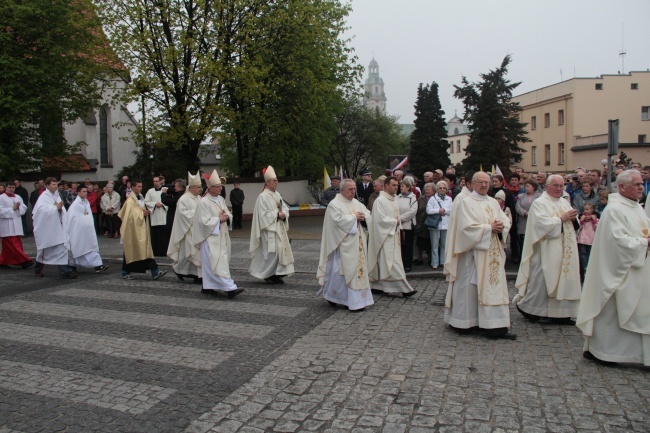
{"type": "Point", "coordinates": [12, 208]}
{"type": "Point", "coordinates": [210, 237]}
{"type": "Point", "coordinates": [342, 270]}
{"type": "Point", "coordinates": [548, 280]}
{"type": "Point", "coordinates": [614, 312]}
{"type": "Point", "coordinates": [52, 245]}
{"type": "Point", "coordinates": [477, 297]}
{"type": "Point", "coordinates": [80, 228]}
{"type": "Point", "coordinates": [270, 249]}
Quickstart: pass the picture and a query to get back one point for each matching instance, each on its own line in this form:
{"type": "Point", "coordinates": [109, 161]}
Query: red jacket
{"type": "Point", "coordinates": [93, 201]}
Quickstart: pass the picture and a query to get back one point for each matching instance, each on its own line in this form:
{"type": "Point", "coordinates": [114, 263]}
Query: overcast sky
{"type": "Point", "coordinates": [420, 41]}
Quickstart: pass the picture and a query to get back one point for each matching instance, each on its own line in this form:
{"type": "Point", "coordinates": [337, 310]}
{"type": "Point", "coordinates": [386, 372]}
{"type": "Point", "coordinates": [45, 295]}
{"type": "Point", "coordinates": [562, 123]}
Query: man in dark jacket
{"type": "Point", "coordinates": [365, 188]}
{"type": "Point", "coordinates": [237, 202]}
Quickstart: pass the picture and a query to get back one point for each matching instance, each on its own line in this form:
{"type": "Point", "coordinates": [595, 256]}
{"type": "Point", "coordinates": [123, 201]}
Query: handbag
{"type": "Point", "coordinates": [433, 221]}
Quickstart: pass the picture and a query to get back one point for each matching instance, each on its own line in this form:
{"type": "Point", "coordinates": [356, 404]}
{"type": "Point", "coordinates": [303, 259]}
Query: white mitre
{"type": "Point", "coordinates": [194, 180]}
{"type": "Point", "coordinates": [214, 179]}
{"type": "Point", "coordinates": [269, 174]}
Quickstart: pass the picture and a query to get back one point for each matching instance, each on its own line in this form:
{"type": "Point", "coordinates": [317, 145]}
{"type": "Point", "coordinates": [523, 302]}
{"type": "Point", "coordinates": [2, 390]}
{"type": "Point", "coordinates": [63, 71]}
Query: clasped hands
{"type": "Point", "coordinates": [569, 215]}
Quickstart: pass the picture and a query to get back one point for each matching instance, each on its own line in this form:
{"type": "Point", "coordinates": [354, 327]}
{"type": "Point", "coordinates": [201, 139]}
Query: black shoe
{"type": "Point", "coordinates": [208, 291]}
{"type": "Point", "coordinates": [231, 294]}
{"type": "Point", "coordinates": [563, 320]}
{"type": "Point", "coordinates": [4, 266]}
{"type": "Point", "coordinates": [333, 304]}
{"type": "Point", "coordinates": [180, 277]}
{"type": "Point", "coordinates": [69, 276]}
{"type": "Point", "coordinates": [463, 331]}
{"type": "Point", "coordinates": [27, 264]}
{"type": "Point", "coordinates": [590, 356]}
{"type": "Point", "coordinates": [498, 333]}
{"type": "Point", "coordinates": [269, 280]}
{"type": "Point", "coordinates": [407, 270]}
{"type": "Point", "coordinates": [198, 280]}
{"type": "Point", "coordinates": [277, 279]}
{"type": "Point", "coordinates": [417, 262]}
{"type": "Point", "coordinates": [74, 269]}
{"type": "Point", "coordinates": [100, 269]}
{"type": "Point", "coordinates": [376, 292]}
{"type": "Point", "coordinates": [530, 317]}
{"type": "Point", "coordinates": [409, 294]}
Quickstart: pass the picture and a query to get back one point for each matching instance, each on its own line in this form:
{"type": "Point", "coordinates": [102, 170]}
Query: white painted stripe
{"type": "Point", "coordinates": [205, 304]}
{"type": "Point", "coordinates": [121, 395]}
{"type": "Point", "coordinates": [135, 318]}
{"type": "Point", "coordinates": [120, 347]}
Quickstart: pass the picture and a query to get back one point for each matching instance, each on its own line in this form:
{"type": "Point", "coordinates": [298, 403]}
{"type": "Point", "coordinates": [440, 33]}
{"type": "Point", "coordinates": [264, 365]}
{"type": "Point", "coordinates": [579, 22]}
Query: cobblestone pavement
{"type": "Point", "coordinates": [103, 354]}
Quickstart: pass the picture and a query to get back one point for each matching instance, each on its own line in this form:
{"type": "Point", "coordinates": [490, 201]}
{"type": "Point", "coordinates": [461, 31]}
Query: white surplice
{"type": "Point", "coordinates": [478, 291]}
{"type": "Point", "coordinates": [269, 248]}
{"type": "Point", "coordinates": [10, 221]}
{"type": "Point", "coordinates": [548, 281]}
{"type": "Point", "coordinates": [342, 269]}
{"type": "Point", "coordinates": [181, 248]}
{"type": "Point", "coordinates": [80, 229]}
{"type": "Point", "coordinates": [49, 234]}
{"type": "Point", "coordinates": [614, 312]}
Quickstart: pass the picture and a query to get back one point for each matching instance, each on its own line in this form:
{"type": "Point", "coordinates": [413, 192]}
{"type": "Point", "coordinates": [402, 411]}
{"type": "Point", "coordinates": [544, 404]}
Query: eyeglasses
{"type": "Point", "coordinates": [556, 185]}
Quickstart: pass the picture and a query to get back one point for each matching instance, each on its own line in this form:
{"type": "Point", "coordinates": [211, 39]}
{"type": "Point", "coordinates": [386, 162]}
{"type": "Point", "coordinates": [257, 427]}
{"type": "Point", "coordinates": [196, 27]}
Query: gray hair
{"type": "Point", "coordinates": [442, 183]}
{"type": "Point", "coordinates": [625, 178]}
{"type": "Point", "coordinates": [345, 181]}
{"type": "Point", "coordinates": [407, 181]}
{"type": "Point", "coordinates": [378, 182]}
{"type": "Point", "coordinates": [550, 178]}
{"type": "Point", "coordinates": [477, 174]}
{"type": "Point", "coordinates": [180, 182]}
{"type": "Point", "coordinates": [430, 185]}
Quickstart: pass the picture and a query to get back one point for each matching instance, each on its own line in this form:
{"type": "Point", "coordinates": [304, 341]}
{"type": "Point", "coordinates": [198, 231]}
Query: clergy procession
{"type": "Point", "coordinates": [375, 232]}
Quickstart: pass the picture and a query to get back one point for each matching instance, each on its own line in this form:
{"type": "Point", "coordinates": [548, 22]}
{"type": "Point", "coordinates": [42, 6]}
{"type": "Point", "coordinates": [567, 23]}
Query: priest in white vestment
{"type": "Point", "coordinates": [477, 297]}
{"type": "Point", "coordinates": [453, 216]}
{"type": "Point", "coordinates": [12, 209]}
{"type": "Point", "coordinates": [548, 281]}
{"type": "Point", "coordinates": [614, 312]}
{"type": "Point", "coordinates": [385, 265]}
{"type": "Point", "coordinates": [211, 238]}
{"type": "Point", "coordinates": [157, 218]}
{"type": "Point", "coordinates": [270, 249]}
{"type": "Point", "coordinates": [186, 259]}
{"type": "Point", "coordinates": [49, 215]}
{"type": "Point", "coordinates": [342, 270]}
{"type": "Point", "coordinates": [80, 228]}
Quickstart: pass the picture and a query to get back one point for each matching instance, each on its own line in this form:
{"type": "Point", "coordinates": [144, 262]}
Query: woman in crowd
{"type": "Point", "coordinates": [522, 207]}
{"type": "Point", "coordinates": [423, 239]}
{"type": "Point", "coordinates": [408, 207]}
{"type": "Point", "coordinates": [439, 203]}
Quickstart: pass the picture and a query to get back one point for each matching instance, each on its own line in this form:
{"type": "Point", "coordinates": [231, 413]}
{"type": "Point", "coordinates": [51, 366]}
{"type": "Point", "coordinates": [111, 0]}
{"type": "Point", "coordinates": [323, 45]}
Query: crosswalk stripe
{"type": "Point", "coordinates": [206, 304]}
{"type": "Point", "coordinates": [120, 347]}
{"type": "Point", "coordinates": [159, 321]}
{"type": "Point", "coordinates": [121, 395]}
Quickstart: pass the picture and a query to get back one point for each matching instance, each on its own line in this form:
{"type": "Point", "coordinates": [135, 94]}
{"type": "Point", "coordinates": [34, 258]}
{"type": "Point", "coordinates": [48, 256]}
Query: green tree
{"type": "Point", "coordinates": [363, 138]}
{"type": "Point", "coordinates": [429, 139]}
{"type": "Point", "coordinates": [493, 120]}
{"type": "Point", "coordinates": [54, 61]}
{"type": "Point", "coordinates": [263, 74]}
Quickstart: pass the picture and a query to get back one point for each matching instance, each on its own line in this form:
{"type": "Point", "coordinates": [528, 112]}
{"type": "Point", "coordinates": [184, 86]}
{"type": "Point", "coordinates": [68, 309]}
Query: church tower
{"type": "Point", "coordinates": [374, 87]}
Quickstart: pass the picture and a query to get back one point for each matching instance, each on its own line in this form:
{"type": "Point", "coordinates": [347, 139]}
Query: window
{"type": "Point", "coordinates": [645, 111]}
{"type": "Point", "coordinates": [455, 131]}
{"type": "Point", "coordinates": [533, 155]}
{"type": "Point", "coordinates": [547, 154]}
{"type": "Point", "coordinates": [103, 136]}
{"type": "Point", "coordinates": [560, 153]}
{"type": "Point", "coordinates": [599, 86]}
{"type": "Point", "coordinates": [560, 117]}
{"type": "Point", "coordinates": [533, 122]}
{"type": "Point", "coordinates": [451, 149]}
{"type": "Point", "coordinates": [642, 138]}
{"type": "Point", "coordinates": [458, 146]}
{"type": "Point", "coordinates": [547, 120]}
{"type": "Point", "coordinates": [376, 89]}
{"type": "Point", "coordinates": [634, 86]}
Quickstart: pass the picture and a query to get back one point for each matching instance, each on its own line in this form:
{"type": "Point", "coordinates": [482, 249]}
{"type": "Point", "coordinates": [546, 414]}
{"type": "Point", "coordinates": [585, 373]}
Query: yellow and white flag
{"type": "Point", "coordinates": [327, 182]}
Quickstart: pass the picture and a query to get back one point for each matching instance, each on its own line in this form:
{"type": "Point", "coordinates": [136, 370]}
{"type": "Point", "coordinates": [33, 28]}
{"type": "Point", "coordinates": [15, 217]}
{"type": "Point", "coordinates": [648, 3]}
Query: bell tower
{"type": "Point", "coordinates": [374, 87]}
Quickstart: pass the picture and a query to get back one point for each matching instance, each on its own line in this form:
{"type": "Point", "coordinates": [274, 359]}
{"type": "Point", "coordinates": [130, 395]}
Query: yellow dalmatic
{"type": "Point", "coordinates": [135, 232]}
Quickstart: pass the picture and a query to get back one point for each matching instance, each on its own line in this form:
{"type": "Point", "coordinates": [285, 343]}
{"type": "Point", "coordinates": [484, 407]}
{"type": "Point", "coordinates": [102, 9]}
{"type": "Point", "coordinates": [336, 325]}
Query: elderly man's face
{"type": "Point", "coordinates": [481, 183]}
{"type": "Point", "coordinates": [555, 187]}
{"type": "Point", "coordinates": [633, 190]}
{"type": "Point", "coordinates": [436, 177]}
{"type": "Point", "coordinates": [427, 177]}
{"type": "Point", "coordinates": [336, 183]}
{"type": "Point", "coordinates": [349, 191]}
{"type": "Point", "coordinates": [378, 186]}
{"type": "Point", "coordinates": [399, 174]}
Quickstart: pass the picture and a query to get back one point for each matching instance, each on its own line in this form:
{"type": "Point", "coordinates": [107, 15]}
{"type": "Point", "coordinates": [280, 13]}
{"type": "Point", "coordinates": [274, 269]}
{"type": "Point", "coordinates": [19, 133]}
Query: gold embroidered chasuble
{"type": "Point", "coordinates": [556, 242]}
{"type": "Point", "coordinates": [473, 235]}
{"type": "Point", "coordinates": [340, 217]}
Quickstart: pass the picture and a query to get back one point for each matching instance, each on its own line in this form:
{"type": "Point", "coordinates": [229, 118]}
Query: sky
{"type": "Point", "coordinates": [421, 41]}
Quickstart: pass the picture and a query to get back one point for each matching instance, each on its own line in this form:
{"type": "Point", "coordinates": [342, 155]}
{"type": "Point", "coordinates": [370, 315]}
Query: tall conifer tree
{"type": "Point", "coordinates": [493, 120]}
{"type": "Point", "coordinates": [428, 140]}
